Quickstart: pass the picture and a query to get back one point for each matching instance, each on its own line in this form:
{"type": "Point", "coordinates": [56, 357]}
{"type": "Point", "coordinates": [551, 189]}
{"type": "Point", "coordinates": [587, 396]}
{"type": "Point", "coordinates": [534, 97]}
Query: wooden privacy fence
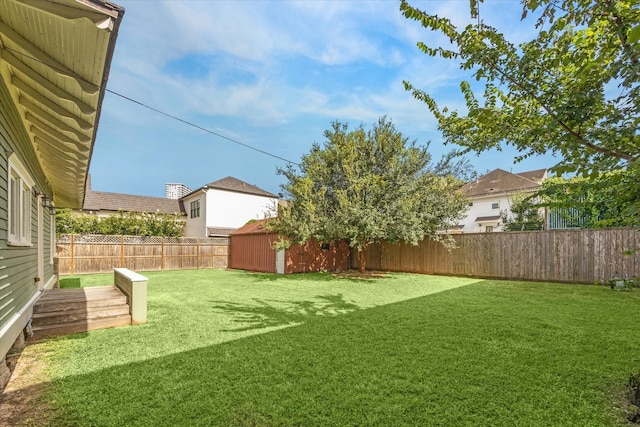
{"type": "Point", "coordinates": [77, 254]}
{"type": "Point", "coordinates": [580, 256]}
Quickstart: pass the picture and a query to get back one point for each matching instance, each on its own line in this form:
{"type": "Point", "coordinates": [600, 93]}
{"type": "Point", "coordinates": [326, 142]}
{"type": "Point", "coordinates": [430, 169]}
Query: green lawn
{"type": "Point", "coordinates": [231, 348]}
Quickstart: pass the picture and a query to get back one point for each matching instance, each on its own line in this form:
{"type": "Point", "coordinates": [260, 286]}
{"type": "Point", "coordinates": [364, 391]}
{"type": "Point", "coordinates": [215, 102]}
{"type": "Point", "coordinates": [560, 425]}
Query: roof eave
{"type": "Point", "coordinates": [103, 87]}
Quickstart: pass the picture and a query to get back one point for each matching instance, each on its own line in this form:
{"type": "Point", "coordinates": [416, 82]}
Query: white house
{"type": "Point", "coordinates": [491, 195]}
{"type": "Point", "coordinates": [223, 206]}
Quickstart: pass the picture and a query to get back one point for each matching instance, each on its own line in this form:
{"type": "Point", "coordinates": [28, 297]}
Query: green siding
{"type": "Point", "coordinates": [18, 265]}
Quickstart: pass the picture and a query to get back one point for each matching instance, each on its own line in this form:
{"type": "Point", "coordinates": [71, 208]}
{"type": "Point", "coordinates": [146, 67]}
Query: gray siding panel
{"type": "Point", "coordinates": [18, 265]}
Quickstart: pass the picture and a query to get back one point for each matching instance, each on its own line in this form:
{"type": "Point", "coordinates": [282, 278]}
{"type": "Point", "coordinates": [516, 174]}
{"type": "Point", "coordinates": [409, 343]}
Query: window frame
{"type": "Point", "coordinates": [195, 209]}
{"type": "Point", "coordinates": [495, 205]}
{"type": "Point", "coordinates": [18, 206]}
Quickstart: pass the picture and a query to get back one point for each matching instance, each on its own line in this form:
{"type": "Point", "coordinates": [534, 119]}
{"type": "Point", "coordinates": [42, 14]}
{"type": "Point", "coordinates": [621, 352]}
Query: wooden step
{"type": "Point", "coordinates": [53, 317]}
{"type": "Point", "coordinates": [74, 299]}
{"type": "Point", "coordinates": [69, 311]}
{"type": "Point", "coordinates": [80, 326]}
{"type": "Point", "coordinates": [70, 305]}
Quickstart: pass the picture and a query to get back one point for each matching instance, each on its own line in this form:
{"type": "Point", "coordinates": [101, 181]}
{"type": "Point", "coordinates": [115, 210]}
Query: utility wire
{"type": "Point", "coordinates": [156, 110]}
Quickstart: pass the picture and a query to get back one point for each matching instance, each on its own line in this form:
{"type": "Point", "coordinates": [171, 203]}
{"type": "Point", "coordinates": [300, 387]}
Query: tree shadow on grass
{"type": "Point", "coordinates": [273, 313]}
{"type": "Point", "coordinates": [349, 275]}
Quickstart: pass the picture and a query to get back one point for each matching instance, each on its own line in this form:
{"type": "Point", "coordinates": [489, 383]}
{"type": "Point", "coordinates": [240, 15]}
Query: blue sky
{"type": "Point", "coordinates": [273, 75]}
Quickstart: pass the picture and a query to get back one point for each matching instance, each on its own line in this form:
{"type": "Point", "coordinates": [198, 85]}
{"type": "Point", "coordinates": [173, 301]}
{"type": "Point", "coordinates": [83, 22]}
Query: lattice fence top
{"type": "Point", "coordinates": [97, 239]}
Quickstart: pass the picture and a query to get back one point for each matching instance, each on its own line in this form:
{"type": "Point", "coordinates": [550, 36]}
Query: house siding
{"type": "Point", "coordinates": [195, 227]}
{"type": "Point", "coordinates": [224, 209]}
{"type": "Point", "coordinates": [233, 210]}
{"type": "Point", "coordinates": [18, 264]}
{"type": "Point", "coordinates": [482, 208]}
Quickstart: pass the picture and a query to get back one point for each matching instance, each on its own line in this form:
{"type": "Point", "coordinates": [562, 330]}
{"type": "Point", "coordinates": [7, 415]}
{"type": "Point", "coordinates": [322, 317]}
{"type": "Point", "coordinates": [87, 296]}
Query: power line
{"type": "Point", "coordinates": [156, 110]}
{"type": "Point", "coordinates": [198, 126]}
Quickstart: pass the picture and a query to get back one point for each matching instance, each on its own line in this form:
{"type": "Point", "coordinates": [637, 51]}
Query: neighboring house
{"type": "Point", "coordinates": [491, 195]}
{"type": "Point", "coordinates": [106, 204]}
{"type": "Point", "coordinates": [220, 207]}
{"type": "Point", "coordinates": [54, 63]}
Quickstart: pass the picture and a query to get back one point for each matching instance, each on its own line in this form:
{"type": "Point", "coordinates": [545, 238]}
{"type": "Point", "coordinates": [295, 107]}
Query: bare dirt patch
{"type": "Point", "coordinates": [21, 402]}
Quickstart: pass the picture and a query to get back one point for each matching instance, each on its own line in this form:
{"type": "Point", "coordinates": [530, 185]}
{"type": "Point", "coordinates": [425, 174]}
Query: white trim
{"type": "Point", "coordinates": [22, 170]}
{"type": "Point", "coordinates": [16, 172]}
{"type": "Point", "coordinates": [50, 283]}
{"type": "Point", "coordinates": [40, 244]}
{"type": "Point", "coordinates": [13, 328]}
{"type": "Point", "coordinates": [52, 238]}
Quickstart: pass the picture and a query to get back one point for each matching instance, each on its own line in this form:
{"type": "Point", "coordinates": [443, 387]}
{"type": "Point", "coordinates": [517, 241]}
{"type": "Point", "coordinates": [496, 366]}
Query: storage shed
{"type": "Point", "coordinates": [251, 248]}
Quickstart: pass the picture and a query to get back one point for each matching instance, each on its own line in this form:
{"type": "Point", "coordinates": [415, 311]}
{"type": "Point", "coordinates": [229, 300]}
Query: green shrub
{"type": "Point", "coordinates": [123, 223]}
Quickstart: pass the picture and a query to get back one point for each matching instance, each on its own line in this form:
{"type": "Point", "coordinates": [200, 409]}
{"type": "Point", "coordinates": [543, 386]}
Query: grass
{"type": "Point", "coordinates": [239, 349]}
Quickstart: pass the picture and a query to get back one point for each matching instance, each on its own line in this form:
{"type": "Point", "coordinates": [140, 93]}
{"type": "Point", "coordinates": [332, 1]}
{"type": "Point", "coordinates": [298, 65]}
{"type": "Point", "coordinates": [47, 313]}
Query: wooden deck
{"type": "Point", "coordinates": [70, 311]}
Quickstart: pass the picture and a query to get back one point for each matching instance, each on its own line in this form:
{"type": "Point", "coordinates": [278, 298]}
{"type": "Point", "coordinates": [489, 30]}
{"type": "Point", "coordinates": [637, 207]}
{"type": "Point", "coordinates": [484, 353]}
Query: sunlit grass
{"type": "Point", "coordinates": [232, 348]}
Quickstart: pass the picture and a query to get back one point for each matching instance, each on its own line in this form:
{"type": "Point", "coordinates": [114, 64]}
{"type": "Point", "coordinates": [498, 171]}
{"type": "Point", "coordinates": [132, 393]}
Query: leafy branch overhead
{"type": "Point", "coordinates": [573, 90]}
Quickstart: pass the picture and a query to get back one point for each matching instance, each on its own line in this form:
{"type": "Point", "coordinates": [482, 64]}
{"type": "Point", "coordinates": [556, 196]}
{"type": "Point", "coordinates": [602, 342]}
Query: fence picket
{"type": "Point", "coordinates": [77, 254]}
{"type": "Point", "coordinates": [572, 255]}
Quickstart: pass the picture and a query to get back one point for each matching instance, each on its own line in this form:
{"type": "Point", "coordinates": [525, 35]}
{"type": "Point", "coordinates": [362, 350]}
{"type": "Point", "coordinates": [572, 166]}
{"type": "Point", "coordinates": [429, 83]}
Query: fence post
{"type": "Point", "coordinates": [198, 253]}
{"type": "Point", "coordinates": [162, 254]}
{"type": "Point", "coordinates": [72, 266]}
{"type": "Point", "coordinates": [121, 251]}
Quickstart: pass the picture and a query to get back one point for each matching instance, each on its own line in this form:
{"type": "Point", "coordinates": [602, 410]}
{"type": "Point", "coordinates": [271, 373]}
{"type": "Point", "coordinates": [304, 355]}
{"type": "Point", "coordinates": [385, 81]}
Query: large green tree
{"type": "Point", "coordinates": [572, 90]}
{"type": "Point", "coordinates": [367, 187]}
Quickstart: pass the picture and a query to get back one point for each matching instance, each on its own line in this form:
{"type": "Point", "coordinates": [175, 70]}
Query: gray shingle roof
{"type": "Point", "coordinates": [103, 201]}
{"type": "Point", "coordinates": [233, 184]}
{"type": "Point", "coordinates": [501, 181]}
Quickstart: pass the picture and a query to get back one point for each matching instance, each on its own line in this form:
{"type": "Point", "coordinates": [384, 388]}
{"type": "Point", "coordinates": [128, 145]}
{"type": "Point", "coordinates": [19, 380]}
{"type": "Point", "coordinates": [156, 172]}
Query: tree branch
{"type": "Point", "coordinates": [562, 124]}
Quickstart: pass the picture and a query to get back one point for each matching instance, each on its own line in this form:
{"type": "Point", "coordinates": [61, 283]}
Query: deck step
{"type": "Point", "coordinates": [79, 326]}
{"type": "Point", "coordinates": [72, 305]}
{"type": "Point", "coordinates": [53, 317]}
{"type": "Point", "coordinates": [68, 311]}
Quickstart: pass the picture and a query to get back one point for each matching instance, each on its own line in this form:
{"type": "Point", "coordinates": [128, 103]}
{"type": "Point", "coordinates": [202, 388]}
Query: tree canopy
{"type": "Point", "coordinates": [366, 186]}
{"type": "Point", "coordinates": [572, 90]}
{"type": "Point", "coordinates": [592, 203]}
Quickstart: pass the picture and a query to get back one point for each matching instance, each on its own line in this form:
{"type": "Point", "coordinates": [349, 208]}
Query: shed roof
{"type": "Point", "coordinates": [219, 231]}
{"type": "Point", "coordinates": [253, 227]}
{"type": "Point", "coordinates": [501, 181]}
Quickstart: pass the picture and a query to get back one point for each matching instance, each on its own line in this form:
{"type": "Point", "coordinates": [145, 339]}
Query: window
{"type": "Point", "coordinates": [495, 205]}
{"type": "Point", "coordinates": [489, 229]}
{"type": "Point", "coordinates": [470, 204]}
{"type": "Point", "coordinates": [195, 208]}
{"type": "Point", "coordinates": [19, 196]}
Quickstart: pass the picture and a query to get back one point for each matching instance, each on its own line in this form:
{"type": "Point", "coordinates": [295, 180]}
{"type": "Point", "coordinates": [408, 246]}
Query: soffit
{"type": "Point", "coordinates": [55, 58]}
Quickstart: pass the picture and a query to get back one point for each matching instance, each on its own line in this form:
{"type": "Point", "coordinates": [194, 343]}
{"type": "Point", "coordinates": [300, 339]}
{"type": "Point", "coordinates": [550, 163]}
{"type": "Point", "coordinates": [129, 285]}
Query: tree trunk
{"type": "Point", "coordinates": [363, 261]}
